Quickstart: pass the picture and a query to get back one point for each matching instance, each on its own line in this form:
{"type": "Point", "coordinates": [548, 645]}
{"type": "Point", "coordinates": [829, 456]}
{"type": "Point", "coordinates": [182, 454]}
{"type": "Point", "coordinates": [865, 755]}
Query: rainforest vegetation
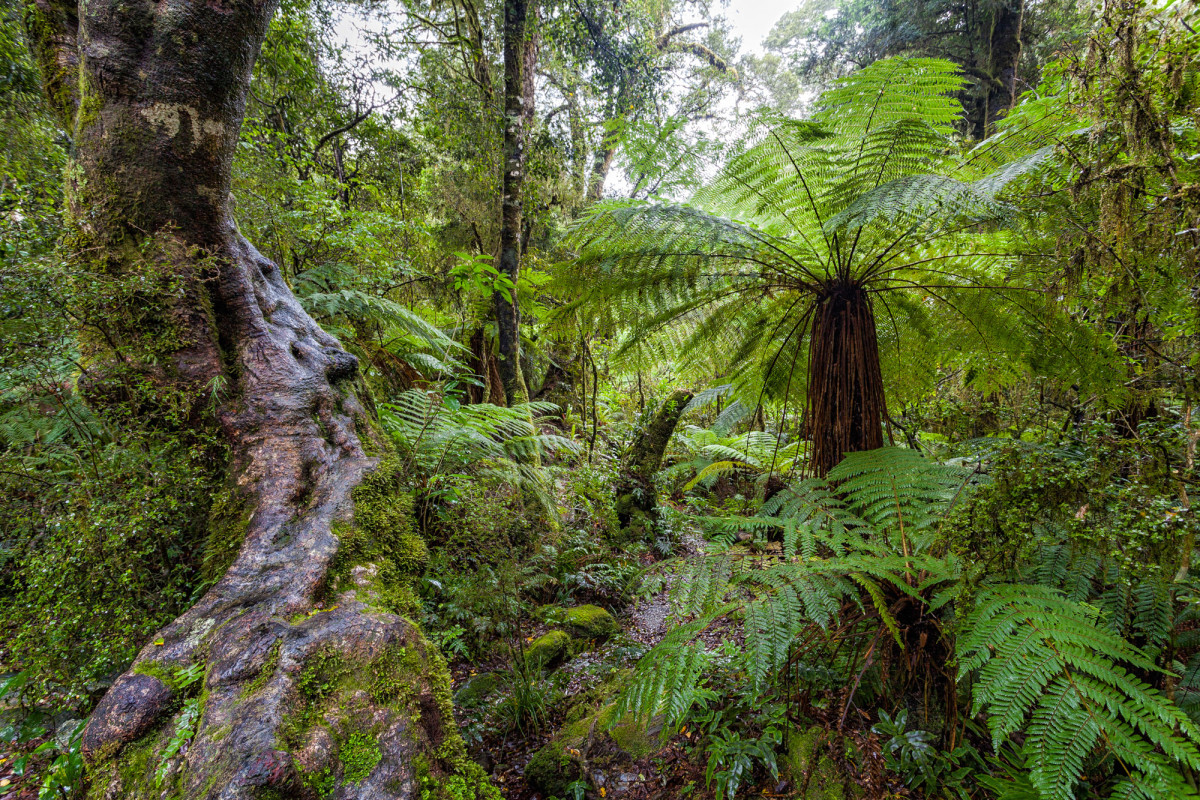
{"type": "Point", "coordinates": [478, 399]}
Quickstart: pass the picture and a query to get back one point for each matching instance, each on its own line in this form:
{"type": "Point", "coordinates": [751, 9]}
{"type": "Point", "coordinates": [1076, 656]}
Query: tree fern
{"type": "Point", "coordinates": [831, 248]}
{"type": "Point", "coordinates": [1045, 666]}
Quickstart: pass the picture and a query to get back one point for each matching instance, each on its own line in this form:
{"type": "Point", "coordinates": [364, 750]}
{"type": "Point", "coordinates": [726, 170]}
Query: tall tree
{"type": "Point", "coordinates": [202, 333]}
{"type": "Point", "coordinates": [520, 62]}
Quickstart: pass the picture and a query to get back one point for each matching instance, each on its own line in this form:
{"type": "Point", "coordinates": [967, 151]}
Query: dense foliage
{"type": "Point", "coordinates": [925, 526]}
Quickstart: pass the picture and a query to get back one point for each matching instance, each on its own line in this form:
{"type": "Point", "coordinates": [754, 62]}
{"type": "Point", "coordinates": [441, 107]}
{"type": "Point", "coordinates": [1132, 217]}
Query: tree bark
{"type": "Point", "coordinates": [636, 498]}
{"type": "Point", "coordinates": [153, 95]}
{"type": "Point", "coordinates": [1004, 55]}
{"type": "Point", "coordinates": [483, 364]}
{"type": "Point", "coordinates": [520, 59]}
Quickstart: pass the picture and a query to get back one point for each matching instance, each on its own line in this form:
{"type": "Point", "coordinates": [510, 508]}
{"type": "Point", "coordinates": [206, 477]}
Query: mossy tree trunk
{"type": "Point", "coordinates": [204, 334]}
{"type": "Point", "coordinates": [520, 60]}
{"type": "Point", "coordinates": [636, 498]}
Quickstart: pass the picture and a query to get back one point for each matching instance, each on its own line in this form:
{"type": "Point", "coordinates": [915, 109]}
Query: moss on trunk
{"type": "Point", "coordinates": [636, 498]}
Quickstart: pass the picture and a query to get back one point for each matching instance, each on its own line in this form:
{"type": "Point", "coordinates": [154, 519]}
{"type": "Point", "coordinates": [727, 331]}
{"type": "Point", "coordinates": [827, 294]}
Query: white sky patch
{"type": "Point", "coordinates": [752, 20]}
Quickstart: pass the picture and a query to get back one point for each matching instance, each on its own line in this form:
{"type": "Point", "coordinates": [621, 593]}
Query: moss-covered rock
{"type": "Point", "coordinates": [548, 650]}
{"type": "Point", "coordinates": [551, 770]}
{"type": "Point", "coordinates": [591, 622]}
{"type": "Point", "coordinates": [473, 691]}
{"type": "Point", "coordinates": [808, 764]}
{"type": "Point", "coordinates": [592, 733]}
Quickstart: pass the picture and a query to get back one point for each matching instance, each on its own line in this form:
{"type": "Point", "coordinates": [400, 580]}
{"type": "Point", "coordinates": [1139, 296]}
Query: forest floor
{"type": "Point", "coordinates": [671, 769]}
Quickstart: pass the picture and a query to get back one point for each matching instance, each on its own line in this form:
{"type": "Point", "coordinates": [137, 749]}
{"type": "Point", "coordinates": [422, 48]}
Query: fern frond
{"type": "Point", "coordinates": [1044, 664]}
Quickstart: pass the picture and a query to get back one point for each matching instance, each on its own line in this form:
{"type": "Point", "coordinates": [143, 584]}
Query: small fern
{"type": "Point", "coordinates": [843, 563]}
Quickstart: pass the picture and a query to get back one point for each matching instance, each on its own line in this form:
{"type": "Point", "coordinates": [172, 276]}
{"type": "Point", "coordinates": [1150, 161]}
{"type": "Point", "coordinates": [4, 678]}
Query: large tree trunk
{"type": "Point", "coordinates": [520, 57]}
{"type": "Point", "coordinates": [153, 95]}
{"type": "Point", "coordinates": [1004, 53]}
{"type": "Point", "coordinates": [846, 401]}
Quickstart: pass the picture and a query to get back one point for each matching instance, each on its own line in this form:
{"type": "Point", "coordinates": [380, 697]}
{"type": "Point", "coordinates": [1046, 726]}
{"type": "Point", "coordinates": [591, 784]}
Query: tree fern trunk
{"type": "Point", "coordinates": [846, 401]}
{"type": "Point", "coordinates": [153, 97]}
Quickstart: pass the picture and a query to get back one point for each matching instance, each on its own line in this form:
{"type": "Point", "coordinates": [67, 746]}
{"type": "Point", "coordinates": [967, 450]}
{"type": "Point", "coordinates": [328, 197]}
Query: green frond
{"type": "Point", "coordinates": [1045, 665]}
{"type": "Point", "coordinates": [490, 440]}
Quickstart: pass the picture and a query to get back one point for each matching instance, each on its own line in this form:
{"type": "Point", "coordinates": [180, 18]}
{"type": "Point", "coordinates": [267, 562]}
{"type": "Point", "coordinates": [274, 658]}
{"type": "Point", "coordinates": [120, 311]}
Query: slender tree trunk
{"type": "Point", "coordinates": [636, 498]}
{"type": "Point", "coordinates": [520, 58]}
{"type": "Point", "coordinates": [606, 150]}
{"type": "Point", "coordinates": [846, 402]}
{"type": "Point", "coordinates": [483, 364]}
{"type": "Point", "coordinates": [153, 96]}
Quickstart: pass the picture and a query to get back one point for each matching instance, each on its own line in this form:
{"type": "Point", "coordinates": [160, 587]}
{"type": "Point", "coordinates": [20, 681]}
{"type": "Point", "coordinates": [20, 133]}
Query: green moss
{"type": "Point", "coordinates": [227, 524]}
{"type": "Point", "coordinates": [547, 650]}
{"type": "Point", "coordinates": [551, 770]}
{"type": "Point", "coordinates": [459, 787]}
{"type": "Point", "coordinates": [360, 754]}
{"type": "Point", "coordinates": [268, 669]}
{"type": "Point", "coordinates": [134, 764]}
{"type": "Point", "coordinates": [807, 763]}
{"type": "Point", "coordinates": [328, 684]}
{"type": "Point", "coordinates": [472, 692]}
{"type": "Point", "coordinates": [321, 674]}
{"type": "Point", "coordinates": [90, 104]}
{"type": "Point", "coordinates": [591, 622]}
{"type": "Point", "coordinates": [382, 535]}
{"type": "Point", "coordinates": [320, 782]}
{"type": "Point", "coordinates": [396, 673]}
{"type": "Point", "coordinates": [155, 670]}
{"type": "Point", "coordinates": [633, 738]}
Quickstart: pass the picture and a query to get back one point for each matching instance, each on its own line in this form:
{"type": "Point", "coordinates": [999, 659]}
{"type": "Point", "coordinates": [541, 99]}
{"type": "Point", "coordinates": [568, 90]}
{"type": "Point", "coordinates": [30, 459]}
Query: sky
{"type": "Point", "coordinates": [752, 19]}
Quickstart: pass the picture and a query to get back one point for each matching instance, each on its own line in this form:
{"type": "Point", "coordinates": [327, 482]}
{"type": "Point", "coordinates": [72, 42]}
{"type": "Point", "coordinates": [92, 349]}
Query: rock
{"type": "Point", "coordinates": [65, 732]}
{"type": "Point", "coordinates": [473, 691]}
{"type": "Point", "coordinates": [591, 622]}
{"type": "Point", "coordinates": [551, 770]}
{"type": "Point", "coordinates": [547, 650]}
{"type": "Point", "coordinates": [807, 763]}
